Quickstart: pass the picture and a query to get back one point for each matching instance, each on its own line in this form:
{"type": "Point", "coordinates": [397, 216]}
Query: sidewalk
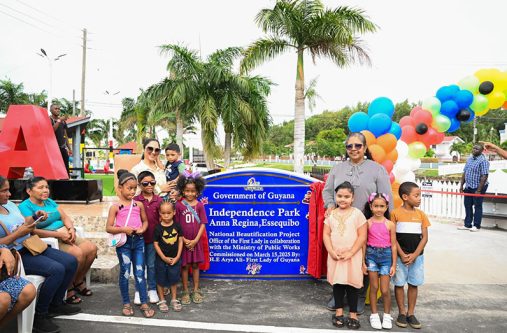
{"type": "Point", "coordinates": [465, 291]}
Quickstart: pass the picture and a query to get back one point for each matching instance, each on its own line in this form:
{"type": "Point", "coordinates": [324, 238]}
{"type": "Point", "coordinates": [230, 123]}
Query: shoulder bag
{"type": "Point", "coordinates": [33, 243]}
{"type": "Point", "coordinates": [118, 240]}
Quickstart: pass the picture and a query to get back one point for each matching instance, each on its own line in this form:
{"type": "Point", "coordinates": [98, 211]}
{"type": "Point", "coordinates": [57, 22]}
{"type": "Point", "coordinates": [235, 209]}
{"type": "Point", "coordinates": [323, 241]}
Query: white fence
{"type": "Point", "coordinates": [439, 204]}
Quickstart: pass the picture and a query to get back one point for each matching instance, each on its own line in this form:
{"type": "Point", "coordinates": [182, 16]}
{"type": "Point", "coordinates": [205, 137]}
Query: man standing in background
{"type": "Point", "coordinates": [60, 128]}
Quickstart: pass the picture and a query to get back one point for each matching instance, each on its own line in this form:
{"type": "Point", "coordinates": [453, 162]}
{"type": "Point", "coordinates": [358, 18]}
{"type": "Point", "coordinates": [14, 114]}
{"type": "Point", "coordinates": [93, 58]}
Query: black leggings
{"type": "Point", "coordinates": [339, 291]}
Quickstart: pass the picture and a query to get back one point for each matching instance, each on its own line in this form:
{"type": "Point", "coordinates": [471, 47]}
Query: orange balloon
{"type": "Point", "coordinates": [387, 141]}
{"type": "Point", "coordinates": [370, 138]}
{"type": "Point", "coordinates": [378, 153]}
{"type": "Point", "coordinates": [505, 106]}
{"type": "Point", "coordinates": [397, 200]}
{"type": "Point", "coordinates": [392, 156]}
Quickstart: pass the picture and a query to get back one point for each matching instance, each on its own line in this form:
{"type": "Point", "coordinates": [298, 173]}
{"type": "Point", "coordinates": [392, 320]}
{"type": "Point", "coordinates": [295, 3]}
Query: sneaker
{"type": "Point", "coordinates": [330, 304]}
{"type": "Point", "coordinates": [464, 228]}
{"type": "Point", "coordinates": [474, 229]}
{"type": "Point", "coordinates": [401, 321]}
{"type": "Point", "coordinates": [413, 322]}
{"type": "Point", "coordinates": [137, 298]}
{"type": "Point", "coordinates": [152, 295]}
{"type": "Point", "coordinates": [375, 321]}
{"type": "Point", "coordinates": [44, 324]}
{"type": "Point", "coordinates": [63, 310]}
{"type": "Point", "coordinates": [387, 321]}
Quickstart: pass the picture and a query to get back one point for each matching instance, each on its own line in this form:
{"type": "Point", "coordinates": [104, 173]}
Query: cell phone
{"type": "Point", "coordinates": [39, 219]}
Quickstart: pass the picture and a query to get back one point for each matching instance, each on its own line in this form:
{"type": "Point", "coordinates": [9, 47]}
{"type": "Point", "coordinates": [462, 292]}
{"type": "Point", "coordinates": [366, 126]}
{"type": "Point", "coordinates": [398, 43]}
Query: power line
{"type": "Point", "coordinates": [30, 16]}
{"type": "Point", "coordinates": [47, 14]}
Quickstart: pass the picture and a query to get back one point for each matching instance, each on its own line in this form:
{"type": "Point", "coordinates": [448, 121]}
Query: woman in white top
{"type": "Point", "coordinates": [150, 161]}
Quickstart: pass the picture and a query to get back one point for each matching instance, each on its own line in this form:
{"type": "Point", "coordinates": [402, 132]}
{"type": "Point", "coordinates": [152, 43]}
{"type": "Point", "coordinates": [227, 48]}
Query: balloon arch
{"type": "Point", "coordinates": [400, 146]}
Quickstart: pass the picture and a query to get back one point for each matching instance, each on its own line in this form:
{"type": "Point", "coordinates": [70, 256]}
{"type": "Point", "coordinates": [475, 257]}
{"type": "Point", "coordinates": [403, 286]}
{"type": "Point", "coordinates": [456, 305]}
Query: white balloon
{"type": "Point", "coordinates": [402, 148]}
{"type": "Point", "coordinates": [415, 164]}
{"type": "Point", "coordinates": [403, 165]}
{"type": "Point", "coordinates": [408, 177]}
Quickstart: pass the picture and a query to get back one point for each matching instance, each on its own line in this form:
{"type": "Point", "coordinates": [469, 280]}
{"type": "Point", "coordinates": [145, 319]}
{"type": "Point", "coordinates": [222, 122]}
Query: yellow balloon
{"type": "Point", "coordinates": [482, 112]}
{"type": "Point", "coordinates": [495, 99]}
{"type": "Point", "coordinates": [487, 74]}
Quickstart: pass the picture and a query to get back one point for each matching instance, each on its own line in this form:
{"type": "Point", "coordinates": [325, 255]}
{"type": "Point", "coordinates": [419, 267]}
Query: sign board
{"type": "Point", "coordinates": [257, 223]}
{"type": "Point", "coordinates": [427, 185]}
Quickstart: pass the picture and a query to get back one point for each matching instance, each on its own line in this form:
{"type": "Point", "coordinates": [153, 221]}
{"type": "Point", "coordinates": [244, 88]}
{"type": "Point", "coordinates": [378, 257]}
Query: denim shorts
{"type": "Point", "coordinates": [165, 274]}
{"type": "Point", "coordinates": [412, 274]}
{"type": "Point", "coordinates": [379, 259]}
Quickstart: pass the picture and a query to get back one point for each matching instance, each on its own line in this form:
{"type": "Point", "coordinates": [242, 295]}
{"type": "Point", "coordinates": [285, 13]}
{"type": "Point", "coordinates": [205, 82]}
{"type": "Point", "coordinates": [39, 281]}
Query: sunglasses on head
{"type": "Point", "coordinates": [152, 183]}
{"type": "Point", "coordinates": [354, 146]}
{"type": "Point", "coordinates": [152, 149]}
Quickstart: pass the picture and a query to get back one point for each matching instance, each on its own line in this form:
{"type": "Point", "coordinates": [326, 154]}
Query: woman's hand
{"type": "Point", "coordinates": [165, 187]}
{"type": "Point", "coordinates": [65, 236]}
{"type": "Point", "coordinates": [42, 213]}
{"type": "Point", "coordinates": [24, 229]}
{"type": "Point", "coordinates": [7, 259]}
{"type": "Point", "coordinates": [72, 233]}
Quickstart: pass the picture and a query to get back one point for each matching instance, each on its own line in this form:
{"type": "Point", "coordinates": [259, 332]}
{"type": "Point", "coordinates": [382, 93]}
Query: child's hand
{"type": "Point", "coordinates": [191, 244]}
{"type": "Point", "coordinates": [333, 256]}
{"type": "Point", "coordinates": [128, 230]}
{"type": "Point", "coordinates": [404, 258]}
{"type": "Point", "coordinates": [410, 259]}
{"type": "Point", "coordinates": [168, 260]}
{"type": "Point", "coordinates": [392, 271]}
{"type": "Point", "coordinates": [346, 255]}
{"type": "Point", "coordinates": [140, 231]}
{"type": "Point", "coordinates": [365, 269]}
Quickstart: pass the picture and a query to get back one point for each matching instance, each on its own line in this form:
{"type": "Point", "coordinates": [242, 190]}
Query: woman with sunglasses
{"type": "Point", "coordinates": [150, 161]}
{"type": "Point", "coordinates": [366, 176]}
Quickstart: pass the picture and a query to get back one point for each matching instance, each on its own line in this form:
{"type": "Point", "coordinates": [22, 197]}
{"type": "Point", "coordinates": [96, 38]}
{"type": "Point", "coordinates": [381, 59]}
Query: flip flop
{"type": "Point", "coordinates": [127, 310]}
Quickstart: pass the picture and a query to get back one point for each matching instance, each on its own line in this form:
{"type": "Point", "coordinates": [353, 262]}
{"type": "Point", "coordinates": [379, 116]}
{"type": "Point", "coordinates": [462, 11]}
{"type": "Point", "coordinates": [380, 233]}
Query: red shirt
{"type": "Point", "coordinates": [152, 213]}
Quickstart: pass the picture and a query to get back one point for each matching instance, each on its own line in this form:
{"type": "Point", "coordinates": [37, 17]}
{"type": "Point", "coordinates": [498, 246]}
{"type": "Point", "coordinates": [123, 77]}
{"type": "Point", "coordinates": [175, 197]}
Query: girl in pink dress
{"type": "Point", "coordinates": [344, 236]}
{"type": "Point", "coordinates": [191, 216]}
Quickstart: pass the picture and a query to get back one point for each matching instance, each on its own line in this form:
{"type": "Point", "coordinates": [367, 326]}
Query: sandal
{"type": "Point", "coordinates": [338, 321]}
{"type": "Point", "coordinates": [162, 306]}
{"type": "Point", "coordinates": [83, 292]}
{"type": "Point", "coordinates": [74, 299]}
{"type": "Point", "coordinates": [185, 298]}
{"type": "Point", "coordinates": [127, 310]}
{"type": "Point", "coordinates": [197, 297]}
{"type": "Point", "coordinates": [176, 305]}
{"type": "Point", "coordinates": [148, 312]}
{"type": "Point", "coordinates": [353, 324]}
{"type": "Point", "coordinates": [167, 291]}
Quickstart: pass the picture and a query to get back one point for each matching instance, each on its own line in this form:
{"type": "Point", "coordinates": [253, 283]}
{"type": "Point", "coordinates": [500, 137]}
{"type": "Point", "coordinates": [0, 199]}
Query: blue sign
{"type": "Point", "coordinates": [257, 223]}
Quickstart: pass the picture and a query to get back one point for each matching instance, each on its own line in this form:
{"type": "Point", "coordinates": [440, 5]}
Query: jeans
{"type": "Point", "coordinates": [58, 268]}
{"type": "Point", "coordinates": [379, 259]}
{"type": "Point", "coordinates": [149, 259]}
{"type": "Point", "coordinates": [470, 202]}
{"type": "Point", "coordinates": [132, 252]}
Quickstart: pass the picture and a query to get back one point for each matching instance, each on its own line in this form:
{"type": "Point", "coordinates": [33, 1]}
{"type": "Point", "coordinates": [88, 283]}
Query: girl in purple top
{"type": "Point", "coordinates": [128, 216]}
{"type": "Point", "coordinates": [190, 214]}
{"type": "Point", "coordinates": [381, 254]}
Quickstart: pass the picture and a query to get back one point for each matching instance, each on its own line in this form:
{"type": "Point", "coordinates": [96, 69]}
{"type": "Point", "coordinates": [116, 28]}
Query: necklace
{"type": "Point", "coordinates": [342, 219]}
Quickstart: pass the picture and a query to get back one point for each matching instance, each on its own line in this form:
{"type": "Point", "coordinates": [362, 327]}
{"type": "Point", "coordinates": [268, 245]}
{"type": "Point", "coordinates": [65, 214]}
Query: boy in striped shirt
{"type": "Point", "coordinates": [411, 235]}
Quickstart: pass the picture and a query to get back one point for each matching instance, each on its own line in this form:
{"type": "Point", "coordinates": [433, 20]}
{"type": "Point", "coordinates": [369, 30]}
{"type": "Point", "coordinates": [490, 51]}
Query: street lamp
{"type": "Point", "coordinates": [43, 54]}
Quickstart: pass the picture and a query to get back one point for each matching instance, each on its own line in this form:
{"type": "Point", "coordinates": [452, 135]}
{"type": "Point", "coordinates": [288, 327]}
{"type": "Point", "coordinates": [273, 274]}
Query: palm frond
{"type": "Point", "coordinates": [263, 50]}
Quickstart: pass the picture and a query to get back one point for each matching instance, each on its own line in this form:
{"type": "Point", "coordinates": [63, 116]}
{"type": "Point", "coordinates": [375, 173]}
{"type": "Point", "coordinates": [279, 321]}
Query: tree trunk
{"type": "Point", "coordinates": [227, 150]}
{"type": "Point", "coordinates": [299, 117]}
{"type": "Point", "coordinates": [210, 163]}
{"type": "Point", "coordinates": [179, 130]}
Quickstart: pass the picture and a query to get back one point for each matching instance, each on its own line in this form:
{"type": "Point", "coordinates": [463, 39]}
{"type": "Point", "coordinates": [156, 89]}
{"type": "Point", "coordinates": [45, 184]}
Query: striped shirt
{"type": "Point", "coordinates": [409, 225]}
{"type": "Point", "coordinates": [475, 168]}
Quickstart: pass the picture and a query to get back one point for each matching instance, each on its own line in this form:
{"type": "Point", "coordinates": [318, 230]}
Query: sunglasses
{"type": "Point", "coordinates": [152, 183]}
{"type": "Point", "coordinates": [351, 146]}
{"type": "Point", "coordinates": [152, 149]}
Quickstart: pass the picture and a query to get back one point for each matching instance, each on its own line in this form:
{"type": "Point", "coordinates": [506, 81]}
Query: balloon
{"type": "Point", "coordinates": [408, 177]}
{"type": "Point", "coordinates": [470, 83]}
{"type": "Point", "coordinates": [416, 149]}
{"type": "Point", "coordinates": [486, 87]}
{"type": "Point", "coordinates": [395, 130]}
{"type": "Point", "coordinates": [449, 109]}
{"type": "Point", "coordinates": [480, 104]}
{"type": "Point", "coordinates": [423, 116]}
{"type": "Point", "coordinates": [393, 155]}
{"type": "Point", "coordinates": [441, 123]}
{"type": "Point", "coordinates": [486, 74]}
{"type": "Point", "coordinates": [408, 134]}
{"type": "Point", "coordinates": [387, 141]}
{"type": "Point", "coordinates": [358, 122]}
{"type": "Point", "coordinates": [446, 93]}
{"type": "Point", "coordinates": [407, 120]}
{"type": "Point", "coordinates": [455, 124]}
{"type": "Point", "coordinates": [377, 153]}
{"type": "Point", "coordinates": [402, 166]}
{"type": "Point", "coordinates": [472, 116]}
{"type": "Point", "coordinates": [397, 202]}
{"type": "Point", "coordinates": [439, 137]}
{"type": "Point", "coordinates": [391, 177]}
{"type": "Point", "coordinates": [464, 98]}
{"type": "Point", "coordinates": [370, 138]}
{"type": "Point", "coordinates": [431, 104]}
{"type": "Point", "coordinates": [381, 105]}
{"type": "Point", "coordinates": [388, 165]}
{"type": "Point", "coordinates": [416, 164]}
{"type": "Point", "coordinates": [504, 105]}
{"type": "Point", "coordinates": [463, 115]}
{"type": "Point", "coordinates": [496, 100]}
{"type": "Point", "coordinates": [379, 124]}
{"type": "Point", "coordinates": [402, 149]}
{"type": "Point", "coordinates": [421, 128]}
{"type": "Point", "coordinates": [415, 110]}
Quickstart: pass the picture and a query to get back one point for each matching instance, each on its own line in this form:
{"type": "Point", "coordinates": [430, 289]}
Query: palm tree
{"type": "Point", "coordinates": [305, 25]}
{"type": "Point", "coordinates": [11, 93]}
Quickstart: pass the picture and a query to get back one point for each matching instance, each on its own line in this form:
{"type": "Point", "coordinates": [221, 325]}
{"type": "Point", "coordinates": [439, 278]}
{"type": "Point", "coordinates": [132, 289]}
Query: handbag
{"type": "Point", "coordinates": [4, 275]}
{"type": "Point", "coordinates": [119, 239]}
{"type": "Point", "coordinates": [33, 243]}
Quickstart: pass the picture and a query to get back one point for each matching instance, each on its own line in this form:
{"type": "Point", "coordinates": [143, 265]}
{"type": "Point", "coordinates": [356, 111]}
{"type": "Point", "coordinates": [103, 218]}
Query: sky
{"type": "Point", "coordinates": [419, 47]}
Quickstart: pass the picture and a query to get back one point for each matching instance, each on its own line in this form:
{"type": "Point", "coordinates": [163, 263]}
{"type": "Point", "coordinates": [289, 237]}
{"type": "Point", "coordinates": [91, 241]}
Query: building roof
{"type": "Point", "coordinates": [129, 145]}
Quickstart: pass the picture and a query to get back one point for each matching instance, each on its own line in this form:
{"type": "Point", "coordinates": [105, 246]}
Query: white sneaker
{"type": "Point", "coordinates": [375, 321]}
{"type": "Point", "coordinates": [387, 321]}
{"type": "Point", "coordinates": [137, 298]}
{"type": "Point", "coordinates": [152, 295]}
{"type": "Point", "coordinates": [463, 228]}
{"type": "Point", "coordinates": [474, 229]}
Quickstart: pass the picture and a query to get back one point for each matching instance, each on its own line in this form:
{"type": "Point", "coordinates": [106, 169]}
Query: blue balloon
{"type": "Point", "coordinates": [395, 130]}
{"type": "Point", "coordinates": [381, 105]}
{"type": "Point", "coordinates": [358, 122]}
{"type": "Point", "coordinates": [455, 124]}
{"type": "Point", "coordinates": [449, 109]}
{"type": "Point", "coordinates": [379, 124]}
{"type": "Point", "coordinates": [446, 93]}
{"type": "Point", "coordinates": [463, 99]}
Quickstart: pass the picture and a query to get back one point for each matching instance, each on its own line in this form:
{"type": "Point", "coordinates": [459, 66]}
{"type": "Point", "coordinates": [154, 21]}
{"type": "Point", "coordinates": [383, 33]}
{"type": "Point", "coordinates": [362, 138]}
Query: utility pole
{"type": "Point", "coordinates": [83, 75]}
{"type": "Point", "coordinates": [73, 102]}
{"type": "Point", "coordinates": [475, 130]}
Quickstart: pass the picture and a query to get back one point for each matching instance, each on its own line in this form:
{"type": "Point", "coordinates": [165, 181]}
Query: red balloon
{"type": "Point", "coordinates": [407, 121]}
{"type": "Point", "coordinates": [388, 165]}
{"type": "Point", "coordinates": [439, 137]}
{"type": "Point", "coordinates": [408, 134]}
{"type": "Point", "coordinates": [426, 139]}
{"type": "Point", "coordinates": [415, 110]}
{"type": "Point", "coordinates": [391, 177]}
{"type": "Point", "coordinates": [423, 116]}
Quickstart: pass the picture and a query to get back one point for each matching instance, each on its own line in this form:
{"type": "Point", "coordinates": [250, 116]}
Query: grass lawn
{"type": "Point", "coordinates": [107, 183]}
